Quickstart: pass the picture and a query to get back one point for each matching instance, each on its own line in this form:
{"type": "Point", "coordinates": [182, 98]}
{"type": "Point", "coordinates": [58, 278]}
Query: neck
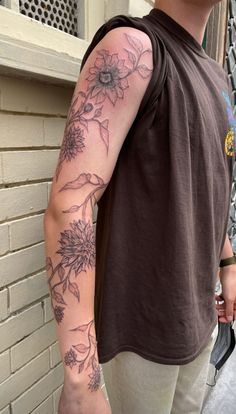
{"type": "Point", "coordinates": [191, 17]}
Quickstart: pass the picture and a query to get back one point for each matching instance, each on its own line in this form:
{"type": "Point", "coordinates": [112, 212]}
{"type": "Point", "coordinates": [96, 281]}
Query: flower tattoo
{"type": "Point", "coordinates": [78, 247]}
{"type": "Point", "coordinates": [59, 313]}
{"type": "Point", "coordinates": [77, 251]}
{"type": "Point", "coordinates": [107, 79]}
{"type": "Point", "coordinates": [95, 379]}
{"type": "Point", "coordinates": [70, 358]}
{"type": "Point", "coordinates": [72, 144]}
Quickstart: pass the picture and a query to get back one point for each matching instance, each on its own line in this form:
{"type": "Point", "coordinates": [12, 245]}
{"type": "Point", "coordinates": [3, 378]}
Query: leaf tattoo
{"type": "Point", "coordinates": [107, 80]}
{"type": "Point", "coordinates": [93, 183]}
{"type": "Point", "coordinates": [83, 355]}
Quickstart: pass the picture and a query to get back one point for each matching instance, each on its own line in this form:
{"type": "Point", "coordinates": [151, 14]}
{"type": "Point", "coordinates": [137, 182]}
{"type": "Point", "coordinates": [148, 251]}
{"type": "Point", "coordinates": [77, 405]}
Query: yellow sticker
{"type": "Point", "coordinates": [229, 143]}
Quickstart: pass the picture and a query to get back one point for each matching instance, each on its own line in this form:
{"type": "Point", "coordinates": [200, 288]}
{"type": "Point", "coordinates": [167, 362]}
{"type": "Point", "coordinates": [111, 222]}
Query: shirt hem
{"type": "Point", "coordinates": [158, 359]}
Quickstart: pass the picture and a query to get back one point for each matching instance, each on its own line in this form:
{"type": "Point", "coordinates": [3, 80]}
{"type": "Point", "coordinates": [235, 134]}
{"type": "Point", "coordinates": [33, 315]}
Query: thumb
{"type": "Point", "coordinates": [229, 309]}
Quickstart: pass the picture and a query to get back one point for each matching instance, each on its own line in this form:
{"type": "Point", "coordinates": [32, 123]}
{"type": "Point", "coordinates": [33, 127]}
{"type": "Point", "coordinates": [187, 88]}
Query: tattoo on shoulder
{"type": "Point", "coordinates": [77, 253]}
{"type": "Point", "coordinates": [107, 80]}
{"type": "Point", "coordinates": [83, 355]}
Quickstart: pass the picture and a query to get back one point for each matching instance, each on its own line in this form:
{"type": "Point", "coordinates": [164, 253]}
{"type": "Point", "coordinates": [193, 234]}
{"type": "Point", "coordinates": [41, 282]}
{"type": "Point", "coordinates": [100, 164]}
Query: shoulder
{"type": "Point", "coordinates": [127, 48]}
{"type": "Point", "coordinates": [125, 33]}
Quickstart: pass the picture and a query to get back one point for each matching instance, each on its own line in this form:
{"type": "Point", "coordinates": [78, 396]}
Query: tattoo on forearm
{"type": "Point", "coordinates": [77, 251]}
{"type": "Point", "coordinates": [90, 182]}
{"type": "Point", "coordinates": [83, 355]}
{"type": "Point", "coordinates": [107, 80]}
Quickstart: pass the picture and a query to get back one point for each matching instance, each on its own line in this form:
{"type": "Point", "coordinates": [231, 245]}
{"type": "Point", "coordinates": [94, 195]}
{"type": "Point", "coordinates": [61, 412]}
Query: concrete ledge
{"type": "Point", "coordinates": [33, 50]}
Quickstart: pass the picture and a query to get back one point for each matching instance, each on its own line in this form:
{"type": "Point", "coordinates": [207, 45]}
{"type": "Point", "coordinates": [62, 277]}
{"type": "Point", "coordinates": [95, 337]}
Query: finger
{"type": "Point", "coordinates": [229, 310]}
{"type": "Point", "coordinates": [221, 312]}
{"type": "Point", "coordinates": [223, 319]}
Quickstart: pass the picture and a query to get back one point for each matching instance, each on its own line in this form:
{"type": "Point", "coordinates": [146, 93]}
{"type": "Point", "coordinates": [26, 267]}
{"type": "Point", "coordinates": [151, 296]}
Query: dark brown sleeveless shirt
{"type": "Point", "coordinates": [162, 220]}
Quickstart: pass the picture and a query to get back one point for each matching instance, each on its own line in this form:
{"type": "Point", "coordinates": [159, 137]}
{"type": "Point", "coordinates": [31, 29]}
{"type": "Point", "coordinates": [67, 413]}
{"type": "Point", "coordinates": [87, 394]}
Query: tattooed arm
{"type": "Point", "coordinates": [105, 103]}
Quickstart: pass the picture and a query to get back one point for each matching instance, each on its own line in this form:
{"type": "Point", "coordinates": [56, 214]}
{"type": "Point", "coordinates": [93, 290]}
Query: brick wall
{"type": "Point", "coordinates": [32, 119]}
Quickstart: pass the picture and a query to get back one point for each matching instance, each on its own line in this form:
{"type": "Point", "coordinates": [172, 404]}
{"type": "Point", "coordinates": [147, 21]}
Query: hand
{"type": "Point", "coordinates": [74, 400]}
{"type": "Point", "coordinates": [227, 307]}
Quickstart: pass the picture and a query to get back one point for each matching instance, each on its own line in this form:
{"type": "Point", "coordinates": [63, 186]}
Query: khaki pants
{"type": "Point", "coordinates": [138, 386]}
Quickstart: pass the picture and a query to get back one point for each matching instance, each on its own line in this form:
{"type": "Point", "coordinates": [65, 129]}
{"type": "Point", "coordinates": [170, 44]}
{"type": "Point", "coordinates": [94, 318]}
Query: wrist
{"type": "Point", "coordinates": [227, 270]}
{"type": "Point", "coordinates": [75, 382]}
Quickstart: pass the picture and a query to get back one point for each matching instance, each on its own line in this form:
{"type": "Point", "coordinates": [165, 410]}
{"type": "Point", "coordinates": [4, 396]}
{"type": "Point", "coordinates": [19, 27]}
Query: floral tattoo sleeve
{"type": "Point", "coordinates": [107, 80]}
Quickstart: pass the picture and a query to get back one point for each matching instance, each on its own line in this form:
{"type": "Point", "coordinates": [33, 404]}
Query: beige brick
{"type": "Point", "coordinates": [17, 265]}
{"type": "Point", "coordinates": [55, 356]}
{"type": "Point", "coordinates": [17, 327]}
{"type": "Point", "coordinates": [17, 383]}
{"type": "Point", "coordinates": [31, 346]}
{"type": "Point", "coordinates": [27, 291]}
{"type": "Point", "coordinates": [49, 189]}
{"type": "Point", "coordinates": [26, 231]}
{"type": "Point", "coordinates": [5, 410]}
{"type": "Point", "coordinates": [4, 239]}
{"type": "Point", "coordinates": [34, 97]}
{"type": "Point", "coordinates": [4, 365]}
{"type": "Point", "coordinates": [45, 408]}
{"type": "Point", "coordinates": [38, 392]}
{"type": "Point", "coordinates": [48, 313]}
{"type": "Point", "coordinates": [1, 170]}
{"type": "Point", "coordinates": [21, 166]}
{"type": "Point", "coordinates": [26, 199]}
{"type": "Point", "coordinates": [3, 304]}
{"type": "Point", "coordinates": [56, 398]}
{"type": "Point", "coordinates": [24, 131]}
{"type": "Point", "coordinates": [54, 131]}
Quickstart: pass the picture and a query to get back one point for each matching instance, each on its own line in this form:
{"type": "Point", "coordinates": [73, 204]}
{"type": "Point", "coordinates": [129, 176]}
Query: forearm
{"type": "Point", "coordinates": [70, 251]}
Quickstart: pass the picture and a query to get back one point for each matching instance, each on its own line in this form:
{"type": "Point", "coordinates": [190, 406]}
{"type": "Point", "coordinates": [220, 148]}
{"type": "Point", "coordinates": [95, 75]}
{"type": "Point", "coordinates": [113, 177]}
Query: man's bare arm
{"type": "Point", "coordinates": [105, 103]}
{"type": "Point", "coordinates": [227, 309]}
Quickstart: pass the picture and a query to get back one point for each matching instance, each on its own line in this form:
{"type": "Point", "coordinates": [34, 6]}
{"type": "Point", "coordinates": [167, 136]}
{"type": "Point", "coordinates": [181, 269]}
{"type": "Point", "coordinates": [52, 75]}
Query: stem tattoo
{"type": "Point", "coordinates": [92, 183]}
{"type": "Point", "coordinates": [107, 80]}
{"type": "Point", "coordinates": [83, 355]}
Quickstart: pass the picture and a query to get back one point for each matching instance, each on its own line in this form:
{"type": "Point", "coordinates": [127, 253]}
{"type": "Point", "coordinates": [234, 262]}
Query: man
{"type": "Point", "coordinates": [149, 135]}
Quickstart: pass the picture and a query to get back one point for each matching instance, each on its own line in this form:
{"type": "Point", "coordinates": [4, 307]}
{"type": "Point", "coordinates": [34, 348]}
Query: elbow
{"type": "Point", "coordinates": [52, 219]}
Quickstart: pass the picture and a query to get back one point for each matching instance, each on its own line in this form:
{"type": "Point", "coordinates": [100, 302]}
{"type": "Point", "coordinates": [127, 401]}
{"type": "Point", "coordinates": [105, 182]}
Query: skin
{"type": "Point", "coordinates": [98, 122]}
{"type": "Point", "coordinates": [92, 141]}
{"type": "Point", "coordinates": [190, 14]}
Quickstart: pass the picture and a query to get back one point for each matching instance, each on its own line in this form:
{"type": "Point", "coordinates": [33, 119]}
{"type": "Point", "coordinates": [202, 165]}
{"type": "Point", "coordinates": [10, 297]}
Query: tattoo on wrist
{"type": "Point", "coordinates": [83, 355]}
{"type": "Point", "coordinates": [77, 251]}
{"type": "Point", "coordinates": [107, 80]}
